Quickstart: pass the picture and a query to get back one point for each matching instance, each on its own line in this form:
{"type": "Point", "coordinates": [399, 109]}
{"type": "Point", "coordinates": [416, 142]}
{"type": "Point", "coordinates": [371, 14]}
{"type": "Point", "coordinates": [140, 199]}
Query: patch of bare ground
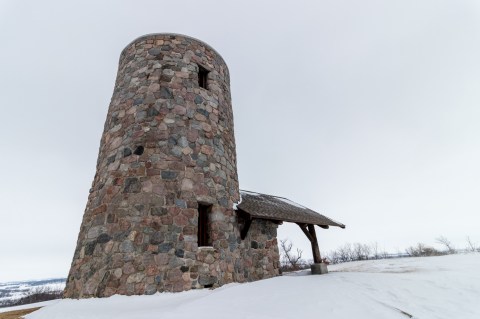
{"type": "Point", "coordinates": [17, 314]}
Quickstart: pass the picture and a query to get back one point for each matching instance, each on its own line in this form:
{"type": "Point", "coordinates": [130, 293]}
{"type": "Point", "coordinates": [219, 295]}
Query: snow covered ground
{"type": "Point", "coordinates": [432, 287]}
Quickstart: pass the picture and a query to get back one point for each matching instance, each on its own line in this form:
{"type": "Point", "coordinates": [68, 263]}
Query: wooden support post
{"type": "Point", "coordinates": [315, 249]}
{"type": "Point", "coordinates": [303, 227]}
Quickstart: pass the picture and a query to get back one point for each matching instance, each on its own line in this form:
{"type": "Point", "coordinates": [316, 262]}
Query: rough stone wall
{"type": "Point", "coordinates": [167, 145]}
{"type": "Point", "coordinates": [260, 256]}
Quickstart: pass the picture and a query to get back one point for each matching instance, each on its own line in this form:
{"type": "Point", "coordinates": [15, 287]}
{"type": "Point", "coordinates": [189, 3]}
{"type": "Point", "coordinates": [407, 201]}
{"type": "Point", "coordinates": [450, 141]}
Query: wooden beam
{"type": "Point", "coordinates": [315, 249]}
{"type": "Point", "coordinates": [303, 227]}
{"type": "Point", "coordinates": [246, 227]}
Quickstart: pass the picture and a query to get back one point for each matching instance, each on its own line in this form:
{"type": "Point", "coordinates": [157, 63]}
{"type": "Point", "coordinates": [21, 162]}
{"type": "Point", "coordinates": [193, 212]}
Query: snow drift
{"type": "Point", "coordinates": [431, 287]}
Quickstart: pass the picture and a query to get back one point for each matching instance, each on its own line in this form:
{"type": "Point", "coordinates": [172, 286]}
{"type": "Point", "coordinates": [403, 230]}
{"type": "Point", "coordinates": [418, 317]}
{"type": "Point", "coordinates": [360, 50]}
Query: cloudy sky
{"type": "Point", "coordinates": [366, 111]}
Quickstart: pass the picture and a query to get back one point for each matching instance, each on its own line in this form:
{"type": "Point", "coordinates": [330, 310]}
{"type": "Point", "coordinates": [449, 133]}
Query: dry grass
{"type": "Point", "coordinates": [17, 314]}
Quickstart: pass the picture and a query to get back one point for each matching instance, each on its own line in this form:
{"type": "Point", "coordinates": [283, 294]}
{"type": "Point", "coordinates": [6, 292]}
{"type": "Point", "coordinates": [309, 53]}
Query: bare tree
{"type": "Point", "coordinates": [345, 253]}
{"type": "Point", "coordinates": [447, 244]}
{"type": "Point", "coordinates": [375, 250]}
{"type": "Point", "coordinates": [471, 246]}
{"type": "Point", "coordinates": [366, 251]}
{"type": "Point", "coordinates": [411, 251]}
{"type": "Point", "coordinates": [422, 250]}
{"type": "Point", "coordinates": [357, 251]}
{"type": "Point", "coordinates": [333, 257]}
{"type": "Point", "coordinates": [384, 254]}
{"type": "Point", "coordinates": [290, 260]}
{"type": "Point", "coordinates": [416, 251]}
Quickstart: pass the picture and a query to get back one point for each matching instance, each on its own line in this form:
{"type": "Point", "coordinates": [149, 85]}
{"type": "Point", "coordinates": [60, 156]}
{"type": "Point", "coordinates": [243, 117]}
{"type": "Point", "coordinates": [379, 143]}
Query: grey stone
{"type": "Point", "coordinates": [198, 99]}
{"type": "Point", "coordinates": [139, 207]}
{"type": "Point", "coordinates": [179, 253]}
{"type": "Point", "coordinates": [177, 151]}
{"type": "Point", "coordinates": [127, 152]}
{"type": "Point", "coordinates": [154, 51]}
{"type": "Point", "coordinates": [205, 280]}
{"type": "Point", "coordinates": [150, 289]}
{"type": "Point", "coordinates": [158, 211]}
{"type": "Point", "coordinates": [152, 112]}
{"type": "Point", "coordinates": [180, 203]}
{"type": "Point", "coordinates": [126, 247]}
{"type": "Point", "coordinates": [169, 175]}
{"type": "Point", "coordinates": [165, 93]}
{"type": "Point", "coordinates": [103, 238]}
{"type": "Point", "coordinates": [205, 113]}
{"type": "Point", "coordinates": [182, 141]}
{"type": "Point", "coordinates": [111, 159]}
{"type": "Point", "coordinates": [157, 238]}
{"type": "Point", "coordinates": [89, 248]}
{"type": "Point", "coordinates": [132, 185]}
{"type": "Point", "coordinates": [319, 269]}
{"type": "Point", "coordinates": [175, 262]}
{"type": "Point", "coordinates": [140, 115]}
{"type": "Point", "coordinates": [165, 247]}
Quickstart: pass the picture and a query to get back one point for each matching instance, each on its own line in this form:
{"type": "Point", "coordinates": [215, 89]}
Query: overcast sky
{"type": "Point", "coordinates": [365, 111]}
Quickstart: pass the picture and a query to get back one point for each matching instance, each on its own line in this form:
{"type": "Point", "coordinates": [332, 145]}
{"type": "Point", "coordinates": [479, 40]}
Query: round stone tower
{"type": "Point", "coordinates": [166, 177]}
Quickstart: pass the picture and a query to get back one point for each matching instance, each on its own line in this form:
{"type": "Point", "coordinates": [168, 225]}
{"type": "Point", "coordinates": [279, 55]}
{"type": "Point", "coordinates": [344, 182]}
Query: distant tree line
{"type": "Point", "coordinates": [38, 294]}
{"type": "Point", "coordinates": [291, 260]}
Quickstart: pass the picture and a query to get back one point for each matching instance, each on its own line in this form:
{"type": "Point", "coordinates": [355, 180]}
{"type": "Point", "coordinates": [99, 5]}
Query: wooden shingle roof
{"type": "Point", "coordinates": [278, 208]}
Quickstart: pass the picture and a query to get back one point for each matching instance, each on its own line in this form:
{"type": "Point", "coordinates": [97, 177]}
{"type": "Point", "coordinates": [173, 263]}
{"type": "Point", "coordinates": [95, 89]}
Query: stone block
{"type": "Point", "coordinates": [319, 269]}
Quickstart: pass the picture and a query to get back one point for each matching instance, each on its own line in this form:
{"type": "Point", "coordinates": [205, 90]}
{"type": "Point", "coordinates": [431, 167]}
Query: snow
{"type": "Point", "coordinates": [250, 193]}
{"type": "Point", "coordinates": [429, 287]}
{"type": "Point", "coordinates": [238, 203]}
{"type": "Point", "coordinates": [290, 202]}
{"type": "Point", "coordinates": [285, 200]}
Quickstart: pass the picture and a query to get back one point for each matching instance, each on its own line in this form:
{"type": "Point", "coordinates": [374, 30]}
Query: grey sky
{"type": "Point", "coordinates": [366, 111]}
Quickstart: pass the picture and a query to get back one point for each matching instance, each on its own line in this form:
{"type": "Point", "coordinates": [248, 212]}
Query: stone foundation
{"type": "Point", "coordinates": [319, 269]}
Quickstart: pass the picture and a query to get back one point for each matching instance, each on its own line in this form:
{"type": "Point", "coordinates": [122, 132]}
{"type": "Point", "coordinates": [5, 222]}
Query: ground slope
{"type": "Point", "coordinates": [432, 287]}
{"type": "Point", "coordinates": [11, 291]}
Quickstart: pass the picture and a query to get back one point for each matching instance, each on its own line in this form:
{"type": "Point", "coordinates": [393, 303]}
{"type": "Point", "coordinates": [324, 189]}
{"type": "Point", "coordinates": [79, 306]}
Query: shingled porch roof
{"type": "Point", "coordinates": [278, 208]}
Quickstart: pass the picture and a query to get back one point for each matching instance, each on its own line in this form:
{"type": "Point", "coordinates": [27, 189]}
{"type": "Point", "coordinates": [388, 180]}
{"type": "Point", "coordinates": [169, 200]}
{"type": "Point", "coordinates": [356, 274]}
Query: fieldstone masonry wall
{"type": "Point", "coordinates": [259, 253]}
{"type": "Point", "coordinates": [167, 145]}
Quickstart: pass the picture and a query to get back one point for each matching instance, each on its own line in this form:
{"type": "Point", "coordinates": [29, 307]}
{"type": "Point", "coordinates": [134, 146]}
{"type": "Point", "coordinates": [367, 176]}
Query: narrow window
{"type": "Point", "coordinates": [202, 77]}
{"type": "Point", "coordinates": [203, 232]}
{"type": "Point", "coordinates": [139, 150]}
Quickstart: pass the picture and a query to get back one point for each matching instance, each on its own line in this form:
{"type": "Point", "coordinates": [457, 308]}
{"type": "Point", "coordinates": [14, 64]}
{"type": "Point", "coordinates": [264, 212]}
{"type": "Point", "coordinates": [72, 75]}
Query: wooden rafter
{"type": "Point", "coordinates": [309, 231]}
{"type": "Point", "coordinates": [303, 227]}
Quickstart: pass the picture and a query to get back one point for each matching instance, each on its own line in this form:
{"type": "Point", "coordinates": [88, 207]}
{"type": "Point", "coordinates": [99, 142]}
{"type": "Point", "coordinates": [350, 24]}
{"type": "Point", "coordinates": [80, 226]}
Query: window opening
{"type": "Point", "coordinates": [139, 150]}
{"type": "Point", "coordinates": [203, 231]}
{"type": "Point", "coordinates": [202, 77]}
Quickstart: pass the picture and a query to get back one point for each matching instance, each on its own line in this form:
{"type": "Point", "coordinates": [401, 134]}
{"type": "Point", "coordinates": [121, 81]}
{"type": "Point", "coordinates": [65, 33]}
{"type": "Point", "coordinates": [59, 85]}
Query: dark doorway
{"type": "Point", "coordinates": [203, 229]}
{"type": "Point", "coordinates": [202, 77]}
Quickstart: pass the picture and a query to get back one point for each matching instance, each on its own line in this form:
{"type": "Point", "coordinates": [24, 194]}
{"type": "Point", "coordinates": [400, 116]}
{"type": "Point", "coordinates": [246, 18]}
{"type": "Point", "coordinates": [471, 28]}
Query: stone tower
{"type": "Point", "coordinates": [166, 172]}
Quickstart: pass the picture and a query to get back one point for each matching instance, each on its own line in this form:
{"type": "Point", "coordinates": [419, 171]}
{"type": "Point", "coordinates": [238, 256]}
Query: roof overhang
{"type": "Point", "coordinates": [276, 208]}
